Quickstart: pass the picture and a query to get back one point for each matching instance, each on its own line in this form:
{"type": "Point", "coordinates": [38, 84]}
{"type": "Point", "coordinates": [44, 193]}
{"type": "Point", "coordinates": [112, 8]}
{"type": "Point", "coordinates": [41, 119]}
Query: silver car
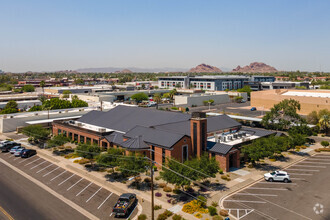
{"type": "Point", "coordinates": [14, 149]}
{"type": "Point", "coordinates": [19, 151]}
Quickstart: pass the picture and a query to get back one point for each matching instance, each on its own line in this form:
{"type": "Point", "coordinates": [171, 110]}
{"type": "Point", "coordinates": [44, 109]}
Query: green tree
{"type": "Point", "coordinates": [283, 115]}
{"type": "Point", "coordinates": [324, 123]}
{"type": "Point", "coordinates": [313, 118]}
{"type": "Point", "coordinates": [157, 98]}
{"type": "Point", "coordinates": [133, 164]}
{"type": "Point", "coordinates": [28, 88]}
{"type": "Point", "coordinates": [112, 157]}
{"type": "Point", "coordinates": [87, 151]}
{"type": "Point", "coordinates": [139, 97]}
{"type": "Point", "coordinates": [79, 82]}
{"type": "Point", "coordinates": [325, 143]}
{"type": "Point", "coordinates": [66, 94]}
{"type": "Point", "coordinates": [35, 108]}
{"type": "Point", "coordinates": [246, 89]}
{"type": "Point", "coordinates": [42, 85]}
{"type": "Point", "coordinates": [174, 178]}
{"type": "Point", "coordinates": [173, 92]}
{"type": "Point", "coordinates": [57, 140]}
{"type": "Point", "coordinates": [11, 104]}
{"type": "Point", "coordinates": [36, 133]}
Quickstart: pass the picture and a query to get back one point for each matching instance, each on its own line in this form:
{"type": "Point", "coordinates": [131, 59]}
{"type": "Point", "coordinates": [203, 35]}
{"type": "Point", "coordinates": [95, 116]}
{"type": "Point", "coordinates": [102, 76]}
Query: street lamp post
{"type": "Point", "coordinates": [152, 189]}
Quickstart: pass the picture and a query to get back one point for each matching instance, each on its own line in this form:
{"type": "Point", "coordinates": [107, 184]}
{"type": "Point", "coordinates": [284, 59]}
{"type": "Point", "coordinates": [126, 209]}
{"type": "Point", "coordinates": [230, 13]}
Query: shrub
{"type": "Point", "coordinates": [164, 215]}
{"type": "Point", "coordinates": [224, 177]}
{"type": "Point", "coordinates": [217, 217]}
{"type": "Point", "coordinates": [223, 212]}
{"type": "Point", "coordinates": [325, 143]}
{"type": "Point", "coordinates": [157, 207]}
{"type": "Point", "coordinates": [198, 215]}
{"type": "Point", "coordinates": [162, 185]}
{"type": "Point", "coordinates": [158, 177]}
{"type": "Point", "coordinates": [177, 217]}
{"type": "Point", "coordinates": [174, 202]}
{"type": "Point", "coordinates": [221, 171]}
{"type": "Point", "coordinates": [322, 149]}
{"type": "Point", "coordinates": [147, 180]}
{"type": "Point", "coordinates": [215, 204]}
{"type": "Point", "coordinates": [212, 210]}
{"type": "Point", "coordinates": [83, 161]}
{"type": "Point", "coordinates": [169, 200]}
{"type": "Point", "coordinates": [167, 189]}
{"type": "Point", "coordinates": [158, 194]}
{"type": "Point", "coordinates": [168, 195]}
{"type": "Point", "coordinates": [142, 217]}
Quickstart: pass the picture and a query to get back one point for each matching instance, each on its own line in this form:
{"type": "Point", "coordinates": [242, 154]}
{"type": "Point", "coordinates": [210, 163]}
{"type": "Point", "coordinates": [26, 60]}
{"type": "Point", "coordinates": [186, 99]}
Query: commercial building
{"type": "Point", "coordinates": [23, 100]}
{"type": "Point", "coordinates": [310, 100]}
{"type": "Point", "coordinates": [212, 83]}
{"type": "Point", "coordinates": [256, 86]}
{"type": "Point", "coordinates": [79, 89]}
{"type": "Point", "coordinates": [199, 98]}
{"type": "Point", "coordinates": [160, 134]}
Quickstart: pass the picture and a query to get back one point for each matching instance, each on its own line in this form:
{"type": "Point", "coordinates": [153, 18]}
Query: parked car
{"type": "Point", "coordinates": [28, 153]}
{"type": "Point", "coordinates": [14, 149]}
{"type": "Point", "coordinates": [19, 151]}
{"type": "Point", "coordinates": [151, 104]}
{"type": "Point", "coordinates": [125, 202]}
{"type": "Point", "coordinates": [253, 109]}
{"type": "Point", "coordinates": [277, 176]}
{"type": "Point", "coordinates": [8, 146]}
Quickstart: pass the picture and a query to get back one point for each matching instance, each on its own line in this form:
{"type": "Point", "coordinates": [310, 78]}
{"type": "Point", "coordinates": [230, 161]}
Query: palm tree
{"type": "Point", "coordinates": [157, 98]}
{"type": "Point", "coordinates": [172, 93]}
{"type": "Point", "coordinates": [325, 123]}
{"type": "Point", "coordinates": [42, 85]}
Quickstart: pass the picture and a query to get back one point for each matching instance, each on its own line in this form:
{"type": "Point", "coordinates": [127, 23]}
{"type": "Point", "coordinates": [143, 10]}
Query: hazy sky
{"type": "Point", "coordinates": [40, 35]}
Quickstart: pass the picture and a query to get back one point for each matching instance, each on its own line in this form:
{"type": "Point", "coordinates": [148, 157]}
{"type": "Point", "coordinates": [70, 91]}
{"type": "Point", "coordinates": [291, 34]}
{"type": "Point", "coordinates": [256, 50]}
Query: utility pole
{"type": "Point", "coordinates": [152, 189]}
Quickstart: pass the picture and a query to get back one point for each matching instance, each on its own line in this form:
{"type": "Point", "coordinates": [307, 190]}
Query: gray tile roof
{"type": "Point", "coordinates": [218, 148]}
{"type": "Point", "coordinates": [258, 131]}
{"type": "Point", "coordinates": [135, 144]}
{"type": "Point", "coordinates": [214, 123]}
{"type": "Point", "coordinates": [154, 136]}
{"type": "Point", "coordinates": [115, 137]}
{"type": "Point", "coordinates": [123, 118]}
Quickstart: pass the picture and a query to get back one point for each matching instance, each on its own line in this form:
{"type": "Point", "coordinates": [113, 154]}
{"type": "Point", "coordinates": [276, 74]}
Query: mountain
{"type": "Point", "coordinates": [256, 67]}
{"type": "Point", "coordinates": [132, 69]}
{"type": "Point", "coordinates": [124, 71]}
{"type": "Point", "coordinates": [204, 68]}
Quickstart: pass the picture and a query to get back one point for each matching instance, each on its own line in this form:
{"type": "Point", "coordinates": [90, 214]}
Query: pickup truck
{"type": "Point", "coordinates": [125, 202]}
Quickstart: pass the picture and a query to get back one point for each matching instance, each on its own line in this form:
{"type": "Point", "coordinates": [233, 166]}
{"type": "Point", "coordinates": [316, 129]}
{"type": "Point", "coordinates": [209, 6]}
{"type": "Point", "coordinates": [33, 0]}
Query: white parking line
{"type": "Point", "coordinates": [33, 161]}
{"type": "Point", "coordinates": [309, 166]}
{"type": "Point", "coordinates": [93, 195]}
{"type": "Point", "coordinates": [131, 212]}
{"type": "Point", "coordinates": [267, 188]}
{"type": "Point", "coordinates": [302, 174]}
{"type": "Point", "coordinates": [66, 180]}
{"type": "Point", "coordinates": [111, 214]}
{"type": "Point", "coordinates": [37, 165]}
{"type": "Point", "coordinates": [11, 156]}
{"type": "Point", "coordinates": [244, 201]}
{"type": "Point", "coordinates": [104, 201]}
{"type": "Point", "coordinates": [320, 159]}
{"type": "Point", "coordinates": [58, 175]}
{"type": "Point", "coordinates": [251, 194]}
{"type": "Point", "coordinates": [50, 172]}
{"type": "Point", "coordinates": [315, 162]}
{"type": "Point", "coordinates": [277, 183]}
{"type": "Point", "coordinates": [27, 159]}
{"type": "Point", "coordinates": [74, 184]}
{"type": "Point", "coordinates": [16, 158]}
{"type": "Point", "coordinates": [44, 168]}
{"type": "Point", "coordinates": [83, 189]}
{"type": "Point", "coordinates": [303, 170]}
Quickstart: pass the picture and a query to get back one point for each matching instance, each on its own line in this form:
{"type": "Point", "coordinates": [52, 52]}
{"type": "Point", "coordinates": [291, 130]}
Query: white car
{"type": "Point", "coordinates": [277, 176]}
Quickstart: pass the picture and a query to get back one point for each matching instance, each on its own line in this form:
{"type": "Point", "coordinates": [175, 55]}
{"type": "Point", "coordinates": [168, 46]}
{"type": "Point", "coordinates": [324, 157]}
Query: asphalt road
{"type": "Point", "coordinates": [22, 199]}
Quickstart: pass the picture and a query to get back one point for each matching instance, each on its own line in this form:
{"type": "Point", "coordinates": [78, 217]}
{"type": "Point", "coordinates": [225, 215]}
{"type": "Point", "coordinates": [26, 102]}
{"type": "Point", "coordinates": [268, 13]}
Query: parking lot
{"type": "Point", "coordinates": [93, 198]}
{"type": "Point", "coordinates": [306, 197]}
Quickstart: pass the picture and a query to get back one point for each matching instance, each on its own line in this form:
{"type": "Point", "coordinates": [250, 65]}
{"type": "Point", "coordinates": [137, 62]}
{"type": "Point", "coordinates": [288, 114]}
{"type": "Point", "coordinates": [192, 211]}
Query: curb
{"type": "Point", "coordinates": [221, 200]}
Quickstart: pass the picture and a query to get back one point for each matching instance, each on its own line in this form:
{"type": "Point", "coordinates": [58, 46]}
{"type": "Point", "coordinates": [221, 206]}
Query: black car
{"type": "Point", "coordinates": [8, 146]}
{"type": "Point", "coordinates": [125, 203]}
{"type": "Point", "coordinates": [28, 153]}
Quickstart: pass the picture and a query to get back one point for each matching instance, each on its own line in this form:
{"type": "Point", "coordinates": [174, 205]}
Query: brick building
{"type": "Point", "coordinates": [161, 134]}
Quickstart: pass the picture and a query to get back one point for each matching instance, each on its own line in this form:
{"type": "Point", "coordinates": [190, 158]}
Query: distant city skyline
{"type": "Point", "coordinates": [60, 35]}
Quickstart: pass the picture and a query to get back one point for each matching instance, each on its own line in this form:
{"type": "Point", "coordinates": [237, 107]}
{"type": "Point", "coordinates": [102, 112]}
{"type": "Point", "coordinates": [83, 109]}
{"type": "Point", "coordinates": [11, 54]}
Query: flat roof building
{"type": "Point", "coordinates": [310, 100]}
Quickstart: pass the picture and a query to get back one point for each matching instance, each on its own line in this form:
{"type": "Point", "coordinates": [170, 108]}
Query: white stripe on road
{"type": "Point", "coordinates": [24, 160]}
{"type": "Point", "coordinates": [297, 179]}
{"type": "Point", "coordinates": [315, 162]}
{"type": "Point", "coordinates": [50, 172]}
{"type": "Point", "coordinates": [93, 195]}
{"type": "Point", "coordinates": [303, 170]}
{"type": "Point", "coordinates": [244, 201]}
{"type": "Point", "coordinates": [251, 194]}
{"type": "Point", "coordinates": [16, 158]}
{"type": "Point", "coordinates": [302, 174]}
{"type": "Point", "coordinates": [44, 168]}
{"type": "Point", "coordinates": [84, 189]}
{"type": "Point", "coordinates": [58, 175]}
{"type": "Point", "coordinates": [12, 156]}
{"type": "Point", "coordinates": [37, 165]}
{"type": "Point", "coordinates": [309, 166]}
{"type": "Point", "coordinates": [111, 214]}
{"type": "Point", "coordinates": [33, 161]}
{"type": "Point", "coordinates": [104, 201]}
{"type": "Point", "coordinates": [277, 183]}
{"type": "Point", "coordinates": [66, 180]}
{"type": "Point", "coordinates": [74, 184]}
{"type": "Point", "coordinates": [267, 188]}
